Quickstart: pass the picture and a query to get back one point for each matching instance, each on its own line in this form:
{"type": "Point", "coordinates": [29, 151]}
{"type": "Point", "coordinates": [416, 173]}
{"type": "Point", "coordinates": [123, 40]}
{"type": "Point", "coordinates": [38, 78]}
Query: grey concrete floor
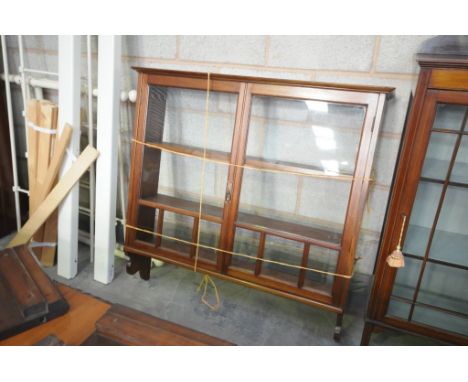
{"type": "Point", "coordinates": [246, 316]}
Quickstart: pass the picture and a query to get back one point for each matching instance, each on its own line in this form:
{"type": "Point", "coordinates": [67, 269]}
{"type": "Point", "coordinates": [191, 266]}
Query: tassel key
{"type": "Point", "coordinates": [396, 258]}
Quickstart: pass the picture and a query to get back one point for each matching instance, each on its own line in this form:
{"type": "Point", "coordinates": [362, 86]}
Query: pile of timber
{"type": "Point", "coordinates": [44, 149]}
{"type": "Point", "coordinates": [27, 296]}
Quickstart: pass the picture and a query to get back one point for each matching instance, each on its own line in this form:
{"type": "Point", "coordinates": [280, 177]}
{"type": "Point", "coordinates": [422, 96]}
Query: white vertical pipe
{"type": "Point", "coordinates": [24, 89]}
{"type": "Point", "coordinates": [92, 178]}
{"type": "Point", "coordinates": [108, 127]}
{"type": "Point", "coordinates": [12, 134]}
{"type": "Point", "coordinates": [69, 105]}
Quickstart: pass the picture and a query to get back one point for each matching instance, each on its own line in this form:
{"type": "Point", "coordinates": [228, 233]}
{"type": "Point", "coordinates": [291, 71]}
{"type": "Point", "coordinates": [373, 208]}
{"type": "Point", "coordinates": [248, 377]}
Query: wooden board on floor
{"type": "Point", "coordinates": [27, 296]}
{"type": "Point", "coordinates": [73, 328]}
{"type": "Point", "coordinates": [55, 301]}
{"type": "Point", "coordinates": [125, 326]}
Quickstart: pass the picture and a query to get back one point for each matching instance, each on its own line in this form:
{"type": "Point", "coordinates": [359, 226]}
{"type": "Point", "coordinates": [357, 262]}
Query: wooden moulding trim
{"type": "Point", "coordinates": [313, 93]}
{"type": "Point", "coordinates": [442, 61]}
{"type": "Point", "coordinates": [194, 83]}
{"type": "Point", "coordinates": [188, 263]}
{"type": "Point", "coordinates": [425, 330]}
{"type": "Point", "coordinates": [261, 80]}
{"type": "Point", "coordinates": [449, 79]}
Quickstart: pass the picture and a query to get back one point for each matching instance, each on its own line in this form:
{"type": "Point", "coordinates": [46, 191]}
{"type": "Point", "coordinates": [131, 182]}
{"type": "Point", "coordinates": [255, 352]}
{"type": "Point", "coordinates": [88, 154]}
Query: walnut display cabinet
{"type": "Point", "coordinates": [429, 295]}
{"type": "Point", "coordinates": [258, 181]}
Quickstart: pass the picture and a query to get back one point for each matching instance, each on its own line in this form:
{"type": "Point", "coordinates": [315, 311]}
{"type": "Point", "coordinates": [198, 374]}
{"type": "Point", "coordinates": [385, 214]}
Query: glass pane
{"type": "Point", "coordinates": [209, 236]}
{"type": "Point", "coordinates": [406, 278]}
{"type": "Point", "coordinates": [400, 309]}
{"type": "Point", "coordinates": [438, 156]}
{"type": "Point", "coordinates": [172, 169]}
{"type": "Point", "coordinates": [287, 203]}
{"type": "Point", "coordinates": [311, 134]}
{"type": "Point", "coordinates": [322, 259]}
{"type": "Point", "coordinates": [176, 180]}
{"type": "Point", "coordinates": [445, 287]}
{"type": "Point", "coordinates": [450, 241]}
{"type": "Point", "coordinates": [460, 169]}
{"type": "Point", "coordinates": [449, 117]}
{"type": "Point", "coordinates": [245, 242]}
{"type": "Point", "coordinates": [177, 226]}
{"type": "Point", "coordinates": [177, 116]}
{"type": "Point", "coordinates": [422, 218]}
{"type": "Point", "coordinates": [283, 251]}
{"type": "Point", "coordinates": [146, 219]}
{"type": "Point", "coordinates": [441, 320]}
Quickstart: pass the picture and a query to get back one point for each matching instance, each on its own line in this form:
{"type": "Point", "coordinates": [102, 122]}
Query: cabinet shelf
{"type": "Point", "coordinates": [292, 231]}
{"type": "Point", "coordinates": [254, 163]}
{"type": "Point", "coordinates": [185, 207]}
{"type": "Point", "coordinates": [219, 156]}
{"type": "Point", "coordinates": [301, 169]}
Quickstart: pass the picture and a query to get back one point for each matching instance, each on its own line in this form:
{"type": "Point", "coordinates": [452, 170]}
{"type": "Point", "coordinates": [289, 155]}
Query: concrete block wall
{"type": "Point", "coordinates": [370, 60]}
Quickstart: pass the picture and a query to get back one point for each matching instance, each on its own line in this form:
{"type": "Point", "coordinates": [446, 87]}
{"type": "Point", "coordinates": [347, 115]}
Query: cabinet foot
{"type": "Point", "coordinates": [366, 333]}
{"type": "Point", "coordinates": [140, 264]}
{"type": "Point", "coordinates": [338, 327]}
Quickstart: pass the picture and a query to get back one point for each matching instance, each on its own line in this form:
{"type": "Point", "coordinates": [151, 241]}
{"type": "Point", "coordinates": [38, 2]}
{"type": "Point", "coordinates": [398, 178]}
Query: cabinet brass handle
{"type": "Point", "coordinates": [228, 192]}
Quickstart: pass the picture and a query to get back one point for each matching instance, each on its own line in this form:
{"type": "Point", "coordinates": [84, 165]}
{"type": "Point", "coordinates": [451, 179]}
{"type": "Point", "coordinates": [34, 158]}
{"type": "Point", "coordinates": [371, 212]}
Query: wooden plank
{"type": "Point", "coordinates": [52, 201]}
{"type": "Point", "coordinates": [49, 236]}
{"type": "Point", "coordinates": [51, 226]}
{"type": "Point", "coordinates": [32, 115]}
{"type": "Point", "coordinates": [57, 160]}
{"type": "Point", "coordinates": [72, 328]}
{"type": "Point", "coordinates": [48, 114]}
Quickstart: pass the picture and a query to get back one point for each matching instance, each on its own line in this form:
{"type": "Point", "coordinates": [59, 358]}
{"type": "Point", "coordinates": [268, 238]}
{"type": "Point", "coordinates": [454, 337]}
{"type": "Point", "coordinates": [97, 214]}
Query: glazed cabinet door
{"type": "Point", "coordinates": [432, 289]}
{"type": "Point", "coordinates": [303, 150]}
{"type": "Point", "coordinates": [182, 143]}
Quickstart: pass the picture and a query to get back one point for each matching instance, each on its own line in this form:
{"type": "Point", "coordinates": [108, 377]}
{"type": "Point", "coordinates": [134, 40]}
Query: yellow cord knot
{"type": "Point", "coordinates": [207, 280]}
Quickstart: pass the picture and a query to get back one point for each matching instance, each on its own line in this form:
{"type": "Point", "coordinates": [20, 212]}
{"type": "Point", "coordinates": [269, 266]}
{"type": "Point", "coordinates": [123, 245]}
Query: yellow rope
{"type": "Point", "coordinates": [202, 175]}
{"type": "Point", "coordinates": [207, 280]}
{"type": "Point", "coordinates": [217, 250]}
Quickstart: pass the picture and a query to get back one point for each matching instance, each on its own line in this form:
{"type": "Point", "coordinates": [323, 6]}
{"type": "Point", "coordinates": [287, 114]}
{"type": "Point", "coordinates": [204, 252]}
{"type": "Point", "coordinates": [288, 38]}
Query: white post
{"type": "Point", "coordinates": [92, 176]}
{"type": "Point", "coordinates": [108, 126]}
{"type": "Point", "coordinates": [69, 106]}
